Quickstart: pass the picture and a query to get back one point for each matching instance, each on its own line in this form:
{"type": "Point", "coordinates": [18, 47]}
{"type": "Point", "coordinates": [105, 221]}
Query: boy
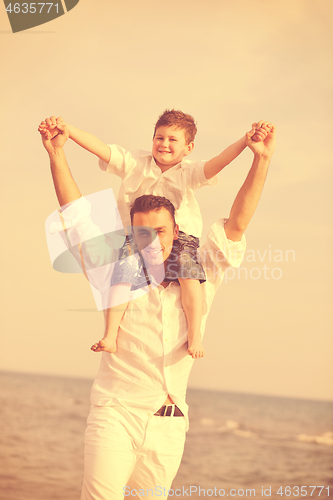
{"type": "Point", "coordinates": [164, 172]}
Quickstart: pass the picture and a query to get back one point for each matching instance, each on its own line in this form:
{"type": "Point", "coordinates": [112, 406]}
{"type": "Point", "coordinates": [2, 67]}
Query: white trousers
{"type": "Point", "coordinates": [125, 457]}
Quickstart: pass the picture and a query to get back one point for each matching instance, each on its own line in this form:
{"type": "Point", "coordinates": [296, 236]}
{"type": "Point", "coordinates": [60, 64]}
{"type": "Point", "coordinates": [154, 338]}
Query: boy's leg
{"type": "Point", "coordinates": [119, 294]}
{"type": "Point", "coordinates": [192, 304]}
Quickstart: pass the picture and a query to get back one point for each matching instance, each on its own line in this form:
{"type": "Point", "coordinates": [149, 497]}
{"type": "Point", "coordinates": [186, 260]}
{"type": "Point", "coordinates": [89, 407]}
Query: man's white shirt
{"type": "Point", "coordinates": [151, 361]}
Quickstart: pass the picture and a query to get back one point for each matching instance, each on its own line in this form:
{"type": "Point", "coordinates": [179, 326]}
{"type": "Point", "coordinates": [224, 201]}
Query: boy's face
{"type": "Point", "coordinates": [154, 233]}
{"type": "Point", "coordinates": [169, 147]}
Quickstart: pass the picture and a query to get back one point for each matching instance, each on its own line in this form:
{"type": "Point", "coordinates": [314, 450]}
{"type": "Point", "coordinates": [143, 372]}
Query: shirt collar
{"type": "Point", "coordinates": [147, 154]}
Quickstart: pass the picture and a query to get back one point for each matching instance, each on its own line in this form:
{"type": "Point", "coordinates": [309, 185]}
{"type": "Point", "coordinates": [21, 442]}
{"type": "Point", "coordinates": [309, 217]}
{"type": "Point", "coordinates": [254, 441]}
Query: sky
{"type": "Point", "coordinates": [111, 68]}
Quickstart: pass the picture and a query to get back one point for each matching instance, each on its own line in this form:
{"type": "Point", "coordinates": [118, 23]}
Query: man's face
{"type": "Point", "coordinates": [169, 146]}
{"type": "Point", "coordinates": [154, 233]}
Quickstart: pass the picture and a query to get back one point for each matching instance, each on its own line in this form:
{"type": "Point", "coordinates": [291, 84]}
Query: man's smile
{"type": "Point", "coordinates": [152, 251]}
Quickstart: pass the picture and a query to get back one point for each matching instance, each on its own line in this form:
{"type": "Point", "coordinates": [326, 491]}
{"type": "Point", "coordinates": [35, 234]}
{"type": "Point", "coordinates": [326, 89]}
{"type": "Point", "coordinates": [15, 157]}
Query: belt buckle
{"type": "Point", "coordinates": [172, 412]}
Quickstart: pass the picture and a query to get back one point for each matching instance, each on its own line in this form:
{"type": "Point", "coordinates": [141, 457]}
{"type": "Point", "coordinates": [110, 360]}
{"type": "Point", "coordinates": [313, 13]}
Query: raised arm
{"type": "Point", "coordinates": [216, 164]}
{"type": "Point", "coordinates": [83, 139]}
{"type": "Point", "coordinates": [248, 196]}
{"type": "Point", "coordinates": [64, 184]}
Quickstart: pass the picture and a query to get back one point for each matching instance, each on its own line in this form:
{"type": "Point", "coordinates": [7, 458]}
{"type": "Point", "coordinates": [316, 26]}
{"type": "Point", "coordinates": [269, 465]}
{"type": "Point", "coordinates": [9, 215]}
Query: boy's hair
{"type": "Point", "coordinates": [149, 202]}
{"type": "Point", "coordinates": [178, 119]}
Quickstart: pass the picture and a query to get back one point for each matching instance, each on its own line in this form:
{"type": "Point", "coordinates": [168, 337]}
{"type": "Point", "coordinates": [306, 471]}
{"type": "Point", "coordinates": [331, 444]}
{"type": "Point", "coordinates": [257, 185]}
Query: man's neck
{"type": "Point", "coordinates": [157, 272]}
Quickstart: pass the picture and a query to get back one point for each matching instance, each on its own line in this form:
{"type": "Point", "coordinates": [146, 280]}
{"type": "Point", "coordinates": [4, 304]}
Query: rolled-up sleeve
{"type": "Point", "coordinates": [94, 248]}
{"type": "Point", "coordinates": [120, 163]}
{"type": "Point", "coordinates": [218, 253]}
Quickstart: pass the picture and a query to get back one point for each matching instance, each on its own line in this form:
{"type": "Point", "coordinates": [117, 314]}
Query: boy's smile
{"type": "Point", "coordinates": [169, 147]}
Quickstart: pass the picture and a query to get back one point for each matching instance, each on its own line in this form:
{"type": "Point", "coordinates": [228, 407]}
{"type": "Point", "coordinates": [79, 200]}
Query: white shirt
{"type": "Point", "coordinates": [140, 175]}
{"type": "Point", "coordinates": [151, 361]}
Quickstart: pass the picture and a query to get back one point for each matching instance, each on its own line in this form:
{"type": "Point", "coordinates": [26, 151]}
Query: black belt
{"type": "Point", "coordinates": [169, 411]}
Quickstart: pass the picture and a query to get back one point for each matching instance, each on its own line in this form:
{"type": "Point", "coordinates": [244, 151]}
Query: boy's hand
{"type": "Point", "coordinates": [54, 133]}
{"type": "Point", "coordinates": [266, 145]}
{"type": "Point", "coordinates": [50, 126]}
{"type": "Point", "coordinates": [261, 130]}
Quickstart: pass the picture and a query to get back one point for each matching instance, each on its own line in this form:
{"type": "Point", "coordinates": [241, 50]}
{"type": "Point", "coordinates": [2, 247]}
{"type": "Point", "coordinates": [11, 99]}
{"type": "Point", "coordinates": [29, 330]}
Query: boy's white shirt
{"type": "Point", "coordinates": [140, 175]}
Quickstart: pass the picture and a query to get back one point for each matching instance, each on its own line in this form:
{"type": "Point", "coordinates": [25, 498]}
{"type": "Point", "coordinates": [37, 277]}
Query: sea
{"type": "Point", "coordinates": [238, 445]}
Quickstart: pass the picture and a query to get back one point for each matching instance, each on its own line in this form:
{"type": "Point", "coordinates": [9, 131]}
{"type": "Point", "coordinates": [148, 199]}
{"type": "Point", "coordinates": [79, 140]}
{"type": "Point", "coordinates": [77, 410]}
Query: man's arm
{"type": "Point", "coordinates": [248, 196]}
{"type": "Point", "coordinates": [83, 139]}
{"type": "Point", "coordinates": [64, 184]}
{"type": "Point", "coordinates": [91, 247]}
{"type": "Point", "coordinates": [216, 164]}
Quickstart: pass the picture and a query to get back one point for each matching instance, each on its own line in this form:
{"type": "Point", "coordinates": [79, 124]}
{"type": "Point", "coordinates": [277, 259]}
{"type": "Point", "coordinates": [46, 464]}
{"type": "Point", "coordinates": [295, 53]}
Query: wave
{"type": "Point", "coordinates": [326, 438]}
{"type": "Point", "coordinates": [230, 426]}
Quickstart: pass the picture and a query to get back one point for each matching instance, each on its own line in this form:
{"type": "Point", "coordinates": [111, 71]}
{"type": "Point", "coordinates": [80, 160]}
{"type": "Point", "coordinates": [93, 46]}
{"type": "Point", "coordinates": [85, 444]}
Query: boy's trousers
{"type": "Point", "coordinates": [123, 454]}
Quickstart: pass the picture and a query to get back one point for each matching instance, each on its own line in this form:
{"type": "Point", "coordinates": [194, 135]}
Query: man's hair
{"type": "Point", "coordinates": [179, 120]}
{"type": "Point", "coordinates": [149, 202]}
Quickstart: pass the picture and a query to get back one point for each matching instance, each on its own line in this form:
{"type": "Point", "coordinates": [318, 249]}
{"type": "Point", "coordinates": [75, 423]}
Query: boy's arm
{"type": "Point", "coordinates": [248, 196]}
{"type": "Point", "coordinates": [83, 139]}
{"type": "Point", "coordinates": [216, 164]}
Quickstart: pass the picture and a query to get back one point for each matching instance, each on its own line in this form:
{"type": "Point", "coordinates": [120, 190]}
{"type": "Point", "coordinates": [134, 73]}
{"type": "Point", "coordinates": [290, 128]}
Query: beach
{"type": "Point", "coordinates": [240, 444]}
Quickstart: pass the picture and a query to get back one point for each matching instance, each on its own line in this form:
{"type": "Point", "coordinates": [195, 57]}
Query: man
{"type": "Point", "coordinates": [138, 419]}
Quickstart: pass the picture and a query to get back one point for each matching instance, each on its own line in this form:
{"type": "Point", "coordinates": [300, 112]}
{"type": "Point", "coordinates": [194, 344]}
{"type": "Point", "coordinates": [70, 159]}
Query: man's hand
{"type": "Point", "coordinates": [265, 132]}
{"type": "Point", "coordinates": [54, 133]}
